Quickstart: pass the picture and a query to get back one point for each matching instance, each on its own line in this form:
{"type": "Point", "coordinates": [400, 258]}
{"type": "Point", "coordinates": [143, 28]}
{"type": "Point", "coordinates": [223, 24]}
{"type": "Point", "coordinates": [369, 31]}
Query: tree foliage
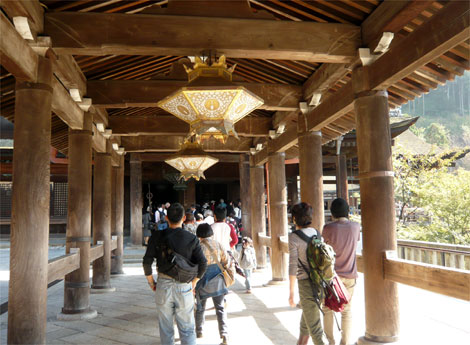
{"type": "Point", "coordinates": [434, 202]}
{"type": "Point", "coordinates": [437, 134]}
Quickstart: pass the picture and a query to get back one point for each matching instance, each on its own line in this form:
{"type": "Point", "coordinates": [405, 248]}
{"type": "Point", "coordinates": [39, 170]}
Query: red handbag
{"type": "Point", "coordinates": [337, 296]}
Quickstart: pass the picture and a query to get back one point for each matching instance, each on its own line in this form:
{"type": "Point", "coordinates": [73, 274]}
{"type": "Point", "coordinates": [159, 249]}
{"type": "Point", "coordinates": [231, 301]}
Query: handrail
{"type": "Point", "coordinates": [58, 267]}
{"type": "Point", "coordinates": [96, 251]}
{"type": "Point", "coordinates": [443, 280]}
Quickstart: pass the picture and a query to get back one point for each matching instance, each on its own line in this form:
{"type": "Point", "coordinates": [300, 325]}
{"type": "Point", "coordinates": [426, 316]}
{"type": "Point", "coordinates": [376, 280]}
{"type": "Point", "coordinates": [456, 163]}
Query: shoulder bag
{"type": "Point", "coordinates": [229, 277]}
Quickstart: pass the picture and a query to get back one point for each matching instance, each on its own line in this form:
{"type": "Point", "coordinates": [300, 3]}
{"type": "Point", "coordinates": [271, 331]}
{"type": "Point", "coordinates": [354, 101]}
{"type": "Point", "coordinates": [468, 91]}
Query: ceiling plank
{"type": "Point", "coordinates": [155, 143]}
{"type": "Point", "coordinates": [449, 27]}
{"type": "Point", "coordinates": [147, 93]}
{"type": "Point", "coordinates": [171, 125]}
{"type": "Point", "coordinates": [138, 34]}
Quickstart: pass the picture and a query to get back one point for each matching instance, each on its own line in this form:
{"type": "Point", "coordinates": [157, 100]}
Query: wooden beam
{"type": "Point", "coordinates": [332, 108]}
{"type": "Point", "coordinates": [100, 115]}
{"type": "Point", "coordinates": [449, 27]}
{"type": "Point", "coordinates": [139, 34]}
{"type": "Point", "coordinates": [147, 93]}
{"type": "Point", "coordinates": [15, 54]}
{"type": "Point", "coordinates": [98, 141]}
{"type": "Point", "coordinates": [261, 157]}
{"type": "Point", "coordinates": [70, 74]}
{"type": "Point", "coordinates": [283, 118]}
{"type": "Point", "coordinates": [160, 157]}
{"type": "Point", "coordinates": [96, 252]}
{"type": "Point", "coordinates": [389, 16]}
{"type": "Point", "coordinates": [57, 268]}
{"type": "Point", "coordinates": [65, 107]}
{"type": "Point", "coordinates": [264, 240]}
{"type": "Point", "coordinates": [285, 141]}
{"type": "Point", "coordinates": [323, 79]}
{"type": "Point", "coordinates": [443, 280]}
{"type": "Point", "coordinates": [171, 125]}
{"type": "Point", "coordinates": [147, 143]}
{"type": "Point", "coordinates": [30, 9]}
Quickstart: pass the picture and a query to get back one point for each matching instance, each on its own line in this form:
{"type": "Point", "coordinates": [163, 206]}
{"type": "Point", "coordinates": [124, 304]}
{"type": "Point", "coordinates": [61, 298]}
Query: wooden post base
{"type": "Point", "coordinates": [377, 341]}
{"type": "Point", "coordinates": [96, 291]}
{"type": "Point", "coordinates": [86, 315]}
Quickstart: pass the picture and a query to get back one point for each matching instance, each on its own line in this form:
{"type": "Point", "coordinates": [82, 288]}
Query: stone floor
{"type": "Point", "coordinates": [128, 316]}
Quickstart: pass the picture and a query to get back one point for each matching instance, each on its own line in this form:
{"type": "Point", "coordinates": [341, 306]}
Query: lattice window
{"type": "Point", "coordinates": [5, 199]}
{"type": "Point", "coordinates": [59, 199]}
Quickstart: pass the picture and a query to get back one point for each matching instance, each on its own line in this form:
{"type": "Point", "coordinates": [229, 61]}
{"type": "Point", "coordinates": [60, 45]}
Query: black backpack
{"type": "Point", "coordinates": [173, 264]}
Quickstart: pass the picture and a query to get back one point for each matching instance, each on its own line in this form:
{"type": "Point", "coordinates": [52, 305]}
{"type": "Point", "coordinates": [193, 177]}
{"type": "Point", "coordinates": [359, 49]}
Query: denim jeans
{"type": "Point", "coordinates": [175, 300]}
{"type": "Point", "coordinates": [219, 311]}
{"type": "Point", "coordinates": [248, 277]}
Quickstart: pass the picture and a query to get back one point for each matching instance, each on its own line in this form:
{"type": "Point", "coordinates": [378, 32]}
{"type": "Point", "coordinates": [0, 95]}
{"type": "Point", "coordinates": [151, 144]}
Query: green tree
{"type": "Point", "coordinates": [437, 134]}
{"type": "Point", "coordinates": [426, 190]}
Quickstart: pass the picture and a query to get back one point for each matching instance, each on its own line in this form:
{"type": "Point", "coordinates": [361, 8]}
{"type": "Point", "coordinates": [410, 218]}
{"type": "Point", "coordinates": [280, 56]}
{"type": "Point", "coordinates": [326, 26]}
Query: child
{"type": "Point", "coordinates": [248, 261]}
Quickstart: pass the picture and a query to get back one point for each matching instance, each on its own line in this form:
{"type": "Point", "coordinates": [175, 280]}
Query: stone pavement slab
{"type": "Point", "coordinates": [128, 316]}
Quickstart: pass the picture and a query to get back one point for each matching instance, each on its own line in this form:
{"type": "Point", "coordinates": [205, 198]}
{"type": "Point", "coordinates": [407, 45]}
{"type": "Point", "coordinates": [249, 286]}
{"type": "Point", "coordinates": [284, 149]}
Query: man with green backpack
{"type": "Point", "coordinates": [311, 263]}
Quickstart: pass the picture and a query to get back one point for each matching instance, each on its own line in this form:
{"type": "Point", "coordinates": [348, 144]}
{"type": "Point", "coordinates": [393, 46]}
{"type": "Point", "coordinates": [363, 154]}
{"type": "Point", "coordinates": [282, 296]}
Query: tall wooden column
{"type": "Point", "coordinates": [377, 209]}
{"type": "Point", "coordinates": [342, 177]}
{"type": "Point", "coordinates": [278, 213]}
{"type": "Point", "coordinates": [27, 291]}
{"type": "Point", "coordinates": [244, 168]}
{"type": "Point", "coordinates": [102, 220]}
{"type": "Point", "coordinates": [77, 283]}
{"type": "Point", "coordinates": [258, 217]}
{"type": "Point", "coordinates": [293, 190]}
{"type": "Point", "coordinates": [117, 258]}
{"type": "Point", "coordinates": [136, 199]}
{"type": "Point", "coordinates": [311, 175]}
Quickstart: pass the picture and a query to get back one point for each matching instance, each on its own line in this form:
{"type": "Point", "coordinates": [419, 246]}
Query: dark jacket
{"type": "Point", "coordinates": [180, 241]}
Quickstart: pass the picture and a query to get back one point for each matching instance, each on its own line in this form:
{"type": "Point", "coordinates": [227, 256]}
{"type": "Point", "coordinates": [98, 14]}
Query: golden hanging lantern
{"type": "Point", "coordinates": [211, 101]}
{"type": "Point", "coordinates": [191, 160]}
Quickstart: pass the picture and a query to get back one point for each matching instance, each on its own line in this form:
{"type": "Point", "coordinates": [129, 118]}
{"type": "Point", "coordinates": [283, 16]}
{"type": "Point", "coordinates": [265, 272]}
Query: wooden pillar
{"type": "Point", "coordinates": [244, 168]}
{"type": "Point", "coordinates": [342, 177]}
{"type": "Point", "coordinates": [190, 194]}
{"type": "Point", "coordinates": [311, 175]}
{"type": "Point", "coordinates": [27, 296]}
{"type": "Point", "coordinates": [377, 209]}
{"type": "Point", "coordinates": [102, 219]}
{"type": "Point", "coordinates": [293, 190]}
{"type": "Point", "coordinates": [117, 257]}
{"type": "Point", "coordinates": [258, 217]}
{"type": "Point", "coordinates": [136, 199]}
{"type": "Point", "coordinates": [77, 283]}
{"type": "Point", "coordinates": [278, 213]}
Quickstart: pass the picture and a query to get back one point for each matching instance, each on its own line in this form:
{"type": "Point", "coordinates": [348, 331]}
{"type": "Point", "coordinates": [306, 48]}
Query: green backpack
{"type": "Point", "coordinates": [321, 259]}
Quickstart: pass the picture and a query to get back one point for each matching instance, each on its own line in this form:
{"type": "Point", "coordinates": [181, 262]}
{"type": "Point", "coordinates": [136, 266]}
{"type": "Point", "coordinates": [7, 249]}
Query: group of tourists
{"type": "Point", "coordinates": [196, 261]}
{"type": "Point", "coordinates": [192, 267]}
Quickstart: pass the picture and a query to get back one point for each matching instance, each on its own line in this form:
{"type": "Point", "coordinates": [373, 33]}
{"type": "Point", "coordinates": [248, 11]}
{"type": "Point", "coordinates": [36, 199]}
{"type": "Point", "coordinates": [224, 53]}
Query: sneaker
{"type": "Point", "coordinates": [248, 291]}
{"type": "Point", "coordinates": [199, 334]}
{"type": "Point", "coordinates": [224, 340]}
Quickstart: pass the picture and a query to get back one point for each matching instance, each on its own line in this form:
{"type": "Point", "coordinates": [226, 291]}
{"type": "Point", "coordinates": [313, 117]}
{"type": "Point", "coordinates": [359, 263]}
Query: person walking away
{"type": "Point", "coordinates": [174, 299]}
{"type": "Point", "coordinates": [248, 261]}
{"type": "Point", "coordinates": [208, 217]}
{"type": "Point", "coordinates": [190, 223]}
{"type": "Point", "coordinates": [310, 321]}
{"type": "Point", "coordinates": [223, 233]}
{"type": "Point", "coordinates": [147, 224]}
{"type": "Point", "coordinates": [343, 235]}
{"type": "Point", "coordinates": [212, 284]}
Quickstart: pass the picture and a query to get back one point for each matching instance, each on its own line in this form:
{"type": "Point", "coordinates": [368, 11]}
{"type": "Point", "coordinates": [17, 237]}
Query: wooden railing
{"type": "Point", "coordinates": [447, 281]}
{"type": "Point", "coordinates": [57, 268]}
{"type": "Point", "coordinates": [442, 254]}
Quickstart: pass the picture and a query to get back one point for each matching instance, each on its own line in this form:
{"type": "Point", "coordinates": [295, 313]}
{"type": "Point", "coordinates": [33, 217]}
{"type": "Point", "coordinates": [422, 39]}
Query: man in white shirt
{"type": "Point", "coordinates": [221, 229]}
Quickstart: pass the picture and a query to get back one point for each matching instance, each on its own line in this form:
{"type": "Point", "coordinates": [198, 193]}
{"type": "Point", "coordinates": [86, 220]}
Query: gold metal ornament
{"type": "Point", "coordinates": [191, 160]}
{"type": "Point", "coordinates": [211, 101]}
